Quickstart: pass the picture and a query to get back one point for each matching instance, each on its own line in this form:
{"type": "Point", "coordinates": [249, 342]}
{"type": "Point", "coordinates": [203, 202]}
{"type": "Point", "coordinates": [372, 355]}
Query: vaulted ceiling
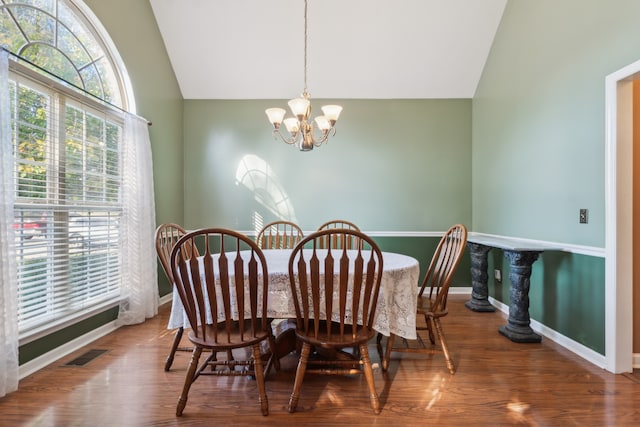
{"type": "Point", "coordinates": [361, 49]}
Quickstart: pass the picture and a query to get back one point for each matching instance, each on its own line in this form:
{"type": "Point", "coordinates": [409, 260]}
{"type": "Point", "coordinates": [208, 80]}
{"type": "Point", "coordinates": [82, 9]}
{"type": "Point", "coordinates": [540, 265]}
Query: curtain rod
{"type": "Point", "coordinates": [66, 82]}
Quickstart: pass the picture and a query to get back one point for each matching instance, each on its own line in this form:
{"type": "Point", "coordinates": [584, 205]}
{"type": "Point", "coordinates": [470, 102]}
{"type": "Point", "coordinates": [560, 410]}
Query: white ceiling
{"type": "Point", "coordinates": [361, 49]}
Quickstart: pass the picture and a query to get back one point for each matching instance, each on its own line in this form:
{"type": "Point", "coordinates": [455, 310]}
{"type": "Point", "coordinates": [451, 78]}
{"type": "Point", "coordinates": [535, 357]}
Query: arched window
{"type": "Point", "coordinates": [67, 92]}
{"type": "Point", "coordinates": [64, 38]}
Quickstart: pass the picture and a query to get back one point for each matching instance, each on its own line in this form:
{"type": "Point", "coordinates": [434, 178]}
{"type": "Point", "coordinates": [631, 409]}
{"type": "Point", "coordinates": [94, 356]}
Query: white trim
{"type": "Point", "coordinates": [564, 247]}
{"type": "Point", "coordinates": [460, 290]}
{"type": "Point", "coordinates": [618, 263]}
{"type": "Point", "coordinates": [636, 361]}
{"type": "Point", "coordinates": [575, 347]}
{"type": "Point", "coordinates": [253, 233]}
{"type": "Point", "coordinates": [404, 233]}
{"type": "Point", "coordinates": [166, 298]}
{"type": "Point", "coordinates": [57, 353]}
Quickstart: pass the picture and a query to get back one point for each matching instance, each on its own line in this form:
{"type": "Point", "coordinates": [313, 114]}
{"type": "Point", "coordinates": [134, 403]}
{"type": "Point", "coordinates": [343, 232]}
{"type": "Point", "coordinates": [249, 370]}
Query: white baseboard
{"type": "Point", "coordinates": [166, 298]}
{"type": "Point", "coordinates": [636, 361]}
{"type": "Point", "coordinates": [460, 290]}
{"type": "Point", "coordinates": [52, 356]}
{"type": "Point", "coordinates": [586, 353]}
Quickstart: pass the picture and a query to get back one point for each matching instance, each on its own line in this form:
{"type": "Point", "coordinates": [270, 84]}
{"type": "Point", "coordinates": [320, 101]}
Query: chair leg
{"type": "Point", "coordinates": [297, 385]}
{"type": "Point", "coordinates": [443, 344]}
{"type": "Point", "coordinates": [368, 373]}
{"type": "Point", "coordinates": [274, 354]}
{"type": "Point", "coordinates": [258, 370]}
{"type": "Point", "coordinates": [387, 353]}
{"type": "Point", "coordinates": [428, 320]}
{"type": "Point", "coordinates": [191, 372]}
{"type": "Point", "coordinates": [273, 359]}
{"type": "Point", "coordinates": [174, 348]}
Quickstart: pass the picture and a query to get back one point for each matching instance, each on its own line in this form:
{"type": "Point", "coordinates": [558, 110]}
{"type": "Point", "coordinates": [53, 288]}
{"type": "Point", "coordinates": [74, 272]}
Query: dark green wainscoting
{"type": "Point", "coordinates": [34, 349]}
{"type": "Point", "coordinates": [422, 249]}
{"type": "Point", "coordinates": [566, 294]}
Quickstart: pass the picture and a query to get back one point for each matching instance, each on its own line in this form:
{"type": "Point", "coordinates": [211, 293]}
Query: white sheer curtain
{"type": "Point", "coordinates": [139, 299]}
{"type": "Point", "coordinates": [8, 271]}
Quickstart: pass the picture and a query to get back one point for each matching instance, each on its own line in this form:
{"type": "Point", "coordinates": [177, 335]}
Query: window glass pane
{"type": "Point", "coordinates": [109, 81]}
{"type": "Point", "coordinates": [70, 20]}
{"type": "Point", "coordinates": [55, 62]}
{"type": "Point", "coordinates": [74, 154]}
{"type": "Point", "coordinates": [71, 46]}
{"type": "Point", "coordinates": [92, 83]}
{"type": "Point", "coordinates": [31, 142]}
{"type": "Point", "coordinates": [10, 36]}
{"type": "Point", "coordinates": [36, 25]}
{"type": "Point", "coordinates": [46, 5]}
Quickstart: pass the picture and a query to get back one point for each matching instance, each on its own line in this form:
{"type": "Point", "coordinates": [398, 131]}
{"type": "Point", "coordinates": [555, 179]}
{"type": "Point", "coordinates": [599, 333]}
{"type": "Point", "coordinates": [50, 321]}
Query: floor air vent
{"type": "Point", "coordinates": [85, 358]}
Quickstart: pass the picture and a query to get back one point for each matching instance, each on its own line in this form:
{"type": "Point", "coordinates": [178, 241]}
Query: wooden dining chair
{"type": "Point", "coordinates": [335, 241]}
{"type": "Point", "coordinates": [224, 293]}
{"type": "Point", "coordinates": [432, 299]}
{"type": "Point", "coordinates": [344, 285]}
{"type": "Point", "coordinates": [166, 237]}
{"type": "Point", "coordinates": [279, 235]}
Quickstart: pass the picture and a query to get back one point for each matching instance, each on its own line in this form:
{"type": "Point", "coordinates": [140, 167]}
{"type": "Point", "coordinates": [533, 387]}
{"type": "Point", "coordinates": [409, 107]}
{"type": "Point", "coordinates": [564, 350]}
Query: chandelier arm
{"type": "Point", "coordinates": [291, 140]}
{"type": "Point", "coordinates": [323, 137]}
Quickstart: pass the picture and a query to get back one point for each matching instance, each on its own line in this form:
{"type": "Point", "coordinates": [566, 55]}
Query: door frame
{"type": "Point", "coordinates": [619, 218]}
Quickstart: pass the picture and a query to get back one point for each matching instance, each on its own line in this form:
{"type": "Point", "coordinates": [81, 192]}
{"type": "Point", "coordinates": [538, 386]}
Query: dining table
{"type": "Point", "coordinates": [397, 298]}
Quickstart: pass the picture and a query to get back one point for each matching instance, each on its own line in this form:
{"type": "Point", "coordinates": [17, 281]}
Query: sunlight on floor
{"type": "Point", "coordinates": [517, 411]}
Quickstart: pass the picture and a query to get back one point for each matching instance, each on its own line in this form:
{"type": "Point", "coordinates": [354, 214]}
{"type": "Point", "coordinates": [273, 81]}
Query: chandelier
{"type": "Point", "coordinates": [301, 130]}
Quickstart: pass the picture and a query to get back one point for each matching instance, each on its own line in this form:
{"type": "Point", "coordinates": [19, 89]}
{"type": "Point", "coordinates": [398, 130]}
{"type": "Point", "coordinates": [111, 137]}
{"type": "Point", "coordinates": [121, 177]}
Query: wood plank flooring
{"type": "Point", "coordinates": [498, 383]}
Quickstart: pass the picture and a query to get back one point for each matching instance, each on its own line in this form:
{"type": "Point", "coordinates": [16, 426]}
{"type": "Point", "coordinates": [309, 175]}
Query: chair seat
{"type": "Point", "coordinates": [335, 340]}
{"type": "Point", "coordinates": [425, 307]}
{"type": "Point", "coordinates": [228, 342]}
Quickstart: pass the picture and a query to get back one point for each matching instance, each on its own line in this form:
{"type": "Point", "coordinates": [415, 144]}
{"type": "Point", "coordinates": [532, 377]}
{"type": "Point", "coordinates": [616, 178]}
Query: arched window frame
{"type": "Point", "coordinates": [97, 44]}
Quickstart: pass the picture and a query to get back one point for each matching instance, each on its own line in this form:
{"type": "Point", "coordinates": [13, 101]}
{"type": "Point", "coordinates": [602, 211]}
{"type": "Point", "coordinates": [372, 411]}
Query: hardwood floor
{"type": "Point", "coordinates": [497, 383]}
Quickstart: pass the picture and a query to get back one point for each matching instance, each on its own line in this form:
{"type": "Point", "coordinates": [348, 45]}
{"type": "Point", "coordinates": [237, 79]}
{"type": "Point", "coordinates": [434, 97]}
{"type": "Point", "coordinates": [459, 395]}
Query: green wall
{"type": "Point", "coordinates": [394, 165]}
{"type": "Point", "coordinates": [538, 118]}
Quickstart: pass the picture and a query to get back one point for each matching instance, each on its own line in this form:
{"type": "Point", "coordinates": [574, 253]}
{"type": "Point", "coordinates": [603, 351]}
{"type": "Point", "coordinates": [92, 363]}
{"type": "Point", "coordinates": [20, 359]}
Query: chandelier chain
{"type": "Point", "coordinates": [305, 46]}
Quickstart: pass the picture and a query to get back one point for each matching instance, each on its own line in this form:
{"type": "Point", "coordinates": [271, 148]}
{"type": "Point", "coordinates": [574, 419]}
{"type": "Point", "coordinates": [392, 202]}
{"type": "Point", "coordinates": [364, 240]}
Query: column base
{"type": "Point", "coordinates": [483, 306]}
{"type": "Point", "coordinates": [526, 335]}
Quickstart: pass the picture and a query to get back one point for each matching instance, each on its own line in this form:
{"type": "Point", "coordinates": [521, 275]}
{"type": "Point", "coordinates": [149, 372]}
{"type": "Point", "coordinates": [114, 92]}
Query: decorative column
{"type": "Point", "coordinates": [479, 278]}
{"type": "Point", "coordinates": [518, 327]}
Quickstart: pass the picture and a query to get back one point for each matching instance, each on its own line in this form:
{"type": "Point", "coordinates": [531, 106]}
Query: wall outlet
{"type": "Point", "coordinates": [497, 274]}
{"type": "Point", "coordinates": [584, 216]}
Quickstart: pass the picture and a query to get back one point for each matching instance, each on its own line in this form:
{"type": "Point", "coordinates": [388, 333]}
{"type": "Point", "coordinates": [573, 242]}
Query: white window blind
{"type": "Point", "coordinates": [67, 152]}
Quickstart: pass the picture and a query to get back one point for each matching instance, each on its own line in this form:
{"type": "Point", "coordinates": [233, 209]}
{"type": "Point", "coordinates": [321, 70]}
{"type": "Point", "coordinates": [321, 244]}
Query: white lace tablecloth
{"type": "Point", "coordinates": [395, 312]}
